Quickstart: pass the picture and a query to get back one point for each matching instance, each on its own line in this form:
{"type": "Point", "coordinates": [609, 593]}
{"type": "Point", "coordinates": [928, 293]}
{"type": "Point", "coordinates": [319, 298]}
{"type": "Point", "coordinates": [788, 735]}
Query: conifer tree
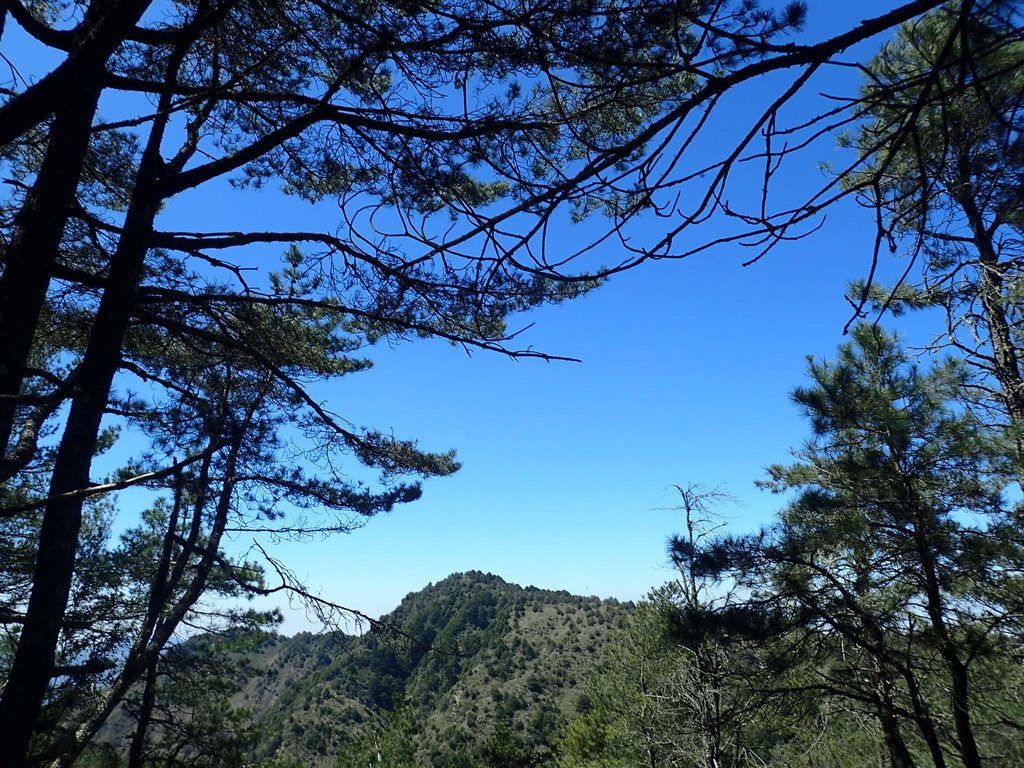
{"type": "Point", "coordinates": [895, 570]}
{"type": "Point", "coordinates": [942, 113]}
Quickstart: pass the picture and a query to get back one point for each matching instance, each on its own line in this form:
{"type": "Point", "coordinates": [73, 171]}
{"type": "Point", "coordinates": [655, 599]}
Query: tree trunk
{"type": "Point", "coordinates": [923, 719]}
{"type": "Point", "coordinates": [935, 608]}
{"type": "Point", "coordinates": [885, 712]}
{"type": "Point", "coordinates": [1005, 355]}
{"type": "Point", "coordinates": [104, 28]}
{"type": "Point", "coordinates": [30, 259]}
{"type": "Point", "coordinates": [35, 658]}
{"type": "Point", "coordinates": [136, 753]}
{"type": "Point", "coordinates": [166, 614]}
{"type": "Point", "coordinates": [959, 694]}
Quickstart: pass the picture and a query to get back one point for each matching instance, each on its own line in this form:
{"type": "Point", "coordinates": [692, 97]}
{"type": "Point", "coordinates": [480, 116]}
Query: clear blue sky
{"type": "Point", "coordinates": [568, 468]}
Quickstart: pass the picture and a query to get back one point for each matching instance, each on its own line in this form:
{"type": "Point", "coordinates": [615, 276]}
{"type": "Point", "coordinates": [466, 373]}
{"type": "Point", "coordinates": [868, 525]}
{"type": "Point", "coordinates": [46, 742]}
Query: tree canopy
{"type": "Point", "coordinates": [944, 177]}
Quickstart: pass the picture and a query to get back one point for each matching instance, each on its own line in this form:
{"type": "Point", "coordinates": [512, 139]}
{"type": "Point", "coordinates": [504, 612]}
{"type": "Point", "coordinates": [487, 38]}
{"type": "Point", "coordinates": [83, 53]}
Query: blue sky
{"type": "Point", "coordinates": [568, 468]}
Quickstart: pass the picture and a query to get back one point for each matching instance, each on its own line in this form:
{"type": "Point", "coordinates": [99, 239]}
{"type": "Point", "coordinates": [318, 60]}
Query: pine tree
{"type": "Point", "coordinates": [895, 569]}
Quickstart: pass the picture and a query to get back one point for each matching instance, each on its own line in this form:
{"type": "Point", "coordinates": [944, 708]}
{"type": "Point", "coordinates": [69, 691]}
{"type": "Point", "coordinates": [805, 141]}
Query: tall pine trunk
{"type": "Point", "coordinates": [30, 259]}
{"type": "Point", "coordinates": [35, 658]}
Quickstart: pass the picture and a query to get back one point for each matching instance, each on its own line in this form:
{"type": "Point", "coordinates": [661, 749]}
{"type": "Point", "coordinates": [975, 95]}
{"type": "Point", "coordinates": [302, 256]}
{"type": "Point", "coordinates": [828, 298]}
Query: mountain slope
{"type": "Point", "coordinates": [466, 657]}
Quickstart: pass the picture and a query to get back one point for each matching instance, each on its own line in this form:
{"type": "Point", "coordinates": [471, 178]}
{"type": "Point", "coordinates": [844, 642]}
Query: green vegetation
{"type": "Point", "coordinates": [888, 591]}
{"type": "Point", "coordinates": [500, 657]}
{"type": "Point", "coordinates": [504, 674]}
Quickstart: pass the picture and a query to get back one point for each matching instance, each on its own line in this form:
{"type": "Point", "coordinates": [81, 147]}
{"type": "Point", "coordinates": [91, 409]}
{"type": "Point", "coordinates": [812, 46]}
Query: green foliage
{"type": "Point", "coordinates": [631, 718]}
{"type": "Point", "coordinates": [943, 168]}
{"type": "Point", "coordinates": [941, 107]}
{"type": "Point", "coordinates": [195, 722]}
{"type": "Point", "coordinates": [877, 622]}
{"type": "Point", "coordinates": [467, 670]}
{"type": "Point", "coordinates": [504, 749]}
{"type": "Point", "coordinates": [361, 103]}
{"type": "Point", "coordinates": [891, 578]}
{"type": "Point", "coordinates": [449, 136]}
{"type": "Point", "coordinates": [391, 742]}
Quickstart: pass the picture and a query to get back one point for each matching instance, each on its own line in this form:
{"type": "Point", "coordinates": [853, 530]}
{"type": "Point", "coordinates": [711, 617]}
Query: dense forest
{"type": "Point", "coordinates": [159, 391]}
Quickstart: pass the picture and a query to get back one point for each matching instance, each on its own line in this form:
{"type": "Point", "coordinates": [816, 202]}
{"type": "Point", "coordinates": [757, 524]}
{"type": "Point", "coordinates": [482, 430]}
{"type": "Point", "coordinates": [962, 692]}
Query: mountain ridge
{"type": "Point", "coordinates": [461, 658]}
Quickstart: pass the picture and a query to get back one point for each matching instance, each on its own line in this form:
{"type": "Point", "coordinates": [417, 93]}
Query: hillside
{"type": "Point", "coordinates": [462, 660]}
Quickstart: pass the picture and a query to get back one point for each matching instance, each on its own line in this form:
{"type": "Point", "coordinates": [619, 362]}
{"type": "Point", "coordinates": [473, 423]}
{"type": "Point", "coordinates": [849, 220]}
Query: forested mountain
{"type": "Point", "coordinates": [454, 664]}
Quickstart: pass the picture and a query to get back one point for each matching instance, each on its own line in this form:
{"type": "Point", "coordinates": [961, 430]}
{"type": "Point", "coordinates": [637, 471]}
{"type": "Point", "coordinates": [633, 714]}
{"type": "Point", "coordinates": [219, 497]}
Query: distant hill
{"type": "Point", "coordinates": [464, 659]}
